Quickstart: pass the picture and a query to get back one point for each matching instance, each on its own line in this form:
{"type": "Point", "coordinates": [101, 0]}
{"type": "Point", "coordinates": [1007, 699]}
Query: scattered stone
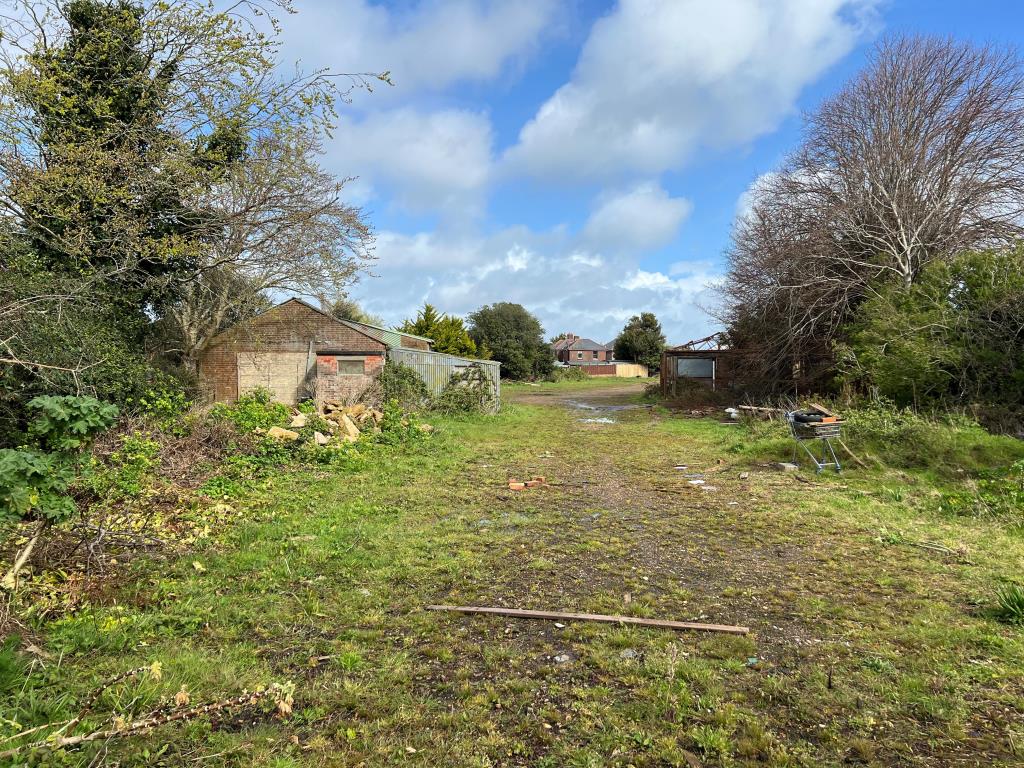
{"type": "Point", "coordinates": [320, 438]}
{"type": "Point", "coordinates": [348, 428]}
{"type": "Point", "coordinates": [280, 433]}
{"type": "Point", "coordinates": [559, 625]}
{"type": "Point", "coordinates": [744, 475]}
{"type": "Point", "coordinates": [483, 522]}
{"type": "Point", "coordinates": [785, 466]}
{"type": "Point", "coordinates": [562, 658]}
{"type": "Point", "coordinates": [695, 482]}
{"type": "Point", "coordinates": [298, 421]}
{"type": "Point", "coordinates": [629, 653]}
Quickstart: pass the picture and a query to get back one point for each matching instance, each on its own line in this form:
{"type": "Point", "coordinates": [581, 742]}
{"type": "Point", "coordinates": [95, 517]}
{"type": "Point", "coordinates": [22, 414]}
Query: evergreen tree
{"type": "Point", "coordinates": [642, 341]}
{"type": "Point", "coordinates": [448, 332]}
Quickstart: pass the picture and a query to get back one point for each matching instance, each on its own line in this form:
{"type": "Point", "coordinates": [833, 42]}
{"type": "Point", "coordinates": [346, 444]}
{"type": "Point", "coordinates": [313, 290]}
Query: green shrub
{"type": "Point", "coordinates": [253, 410]}
{"type": "Point", "coordinates": [400, 383]}
{"type": "Point", "coordinates": [903, 437]}
{"type": "Point", "coordinates": [35, 477]}
{"type": "Point", "coordinates": [568, 373]}
{"type": "Point", "coordinates": [396, 428]}
{"type": "Point", "coordinates": [163, 404]}
{"type": "Point", "coordinates": [467, 391]}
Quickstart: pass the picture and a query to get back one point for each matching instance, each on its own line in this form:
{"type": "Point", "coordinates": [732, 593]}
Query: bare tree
{"type": "Point", "coordinates": [918, 158]}
{"type": "Point", "coordinates": [214, 78]}
{"type": "Point", "coordinates": [283, 228]}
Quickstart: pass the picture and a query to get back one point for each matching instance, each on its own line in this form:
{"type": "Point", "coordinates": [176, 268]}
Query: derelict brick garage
{"type": "Point", "coordinates": [283, 373]}
{"type": "Point", "coordinates": [279, 349]}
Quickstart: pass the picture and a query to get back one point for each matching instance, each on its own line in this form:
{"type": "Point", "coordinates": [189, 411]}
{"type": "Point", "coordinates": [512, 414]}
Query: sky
{"type": "Point", "coordinates": [584, 159]}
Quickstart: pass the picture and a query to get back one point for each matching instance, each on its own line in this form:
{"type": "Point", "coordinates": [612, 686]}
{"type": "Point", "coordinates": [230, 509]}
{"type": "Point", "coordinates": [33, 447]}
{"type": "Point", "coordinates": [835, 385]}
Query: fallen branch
{"type": "Point", "coordinates": [156, 718]}
{"type": "Point", "coordinates": [557, 615]}
{"type": "Point", "coordinates": [10, 580]}
{"type": "Point", "coordinates": [851, 454]}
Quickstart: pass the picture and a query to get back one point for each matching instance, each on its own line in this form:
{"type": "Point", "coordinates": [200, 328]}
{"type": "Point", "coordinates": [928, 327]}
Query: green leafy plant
{"type": "Point", "coordinates": [35, 477]}
{"type": "Point", "coordinates": [568, 373]}
{"type": "Point", "coordinates": [253, 410]}
{"type": "Point", "coordinates": [128, 470]}
{"type": "Point", "coordinates": [1010, 604]}
{"type": "Point", "coordinates": [396, 428]}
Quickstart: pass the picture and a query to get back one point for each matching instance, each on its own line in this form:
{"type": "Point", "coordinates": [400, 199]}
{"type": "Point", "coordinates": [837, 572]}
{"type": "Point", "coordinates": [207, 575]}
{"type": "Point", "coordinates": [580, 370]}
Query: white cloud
{"type": "Point", "coordinates": [641, 218]}
{"type": "Point", "coordinates": [745, 202]}
{"type": "Point", "coordinates": [426, 160]}
{"type": "Point", "coordinates": [569, 288]}
{"type": "Point", "coordinates": [428, 45]}
{"type": "Point", "coordinates": [658, 79]}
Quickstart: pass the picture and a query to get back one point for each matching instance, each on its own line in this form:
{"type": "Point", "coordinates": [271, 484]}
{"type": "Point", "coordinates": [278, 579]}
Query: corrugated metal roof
{"type": "Point", "coordinates": [367, 328]}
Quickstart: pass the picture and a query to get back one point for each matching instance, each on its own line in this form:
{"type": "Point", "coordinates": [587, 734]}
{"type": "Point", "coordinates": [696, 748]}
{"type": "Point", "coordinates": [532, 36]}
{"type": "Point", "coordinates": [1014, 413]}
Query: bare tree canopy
{"type": "Point", "coordinates": [918, 158]}
{"type": "Point", "coordinates": [156, 161]}
{"type": "Point", "coordinates": [283, 229]}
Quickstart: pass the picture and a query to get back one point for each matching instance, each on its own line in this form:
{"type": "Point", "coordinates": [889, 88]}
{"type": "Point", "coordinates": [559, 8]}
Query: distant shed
{"type": "Point", "coordinates": [704, 362]}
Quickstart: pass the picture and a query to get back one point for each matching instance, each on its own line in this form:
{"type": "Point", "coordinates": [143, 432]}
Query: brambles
{"type": "Point", "coordinates": [569, 373]}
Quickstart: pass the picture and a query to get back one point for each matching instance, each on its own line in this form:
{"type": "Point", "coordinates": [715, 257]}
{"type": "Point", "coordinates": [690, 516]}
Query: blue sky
{"type": "Point", "coordinates": [585, 159]}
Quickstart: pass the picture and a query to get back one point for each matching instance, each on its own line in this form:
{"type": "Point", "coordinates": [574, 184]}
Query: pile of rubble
{"type": "Point", "coordinates": [352, 419]}
{"type": "Point", "coordinates": [346, 422]}
{"type": "Point", "coordinates": [343, 423]}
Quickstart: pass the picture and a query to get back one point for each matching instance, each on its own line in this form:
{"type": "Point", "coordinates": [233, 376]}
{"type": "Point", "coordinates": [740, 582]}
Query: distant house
{"type": "Point", "coordinates": [594, 358]}
{"type": "Point", "coordinates": [298, 352]}
{"type": "Point", "coordinates": [575, 350]}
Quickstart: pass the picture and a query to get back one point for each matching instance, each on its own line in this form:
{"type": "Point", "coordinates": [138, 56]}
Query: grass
{"type": "Point", "coordinates": [863, 647]}
{"type": "Point", "coordinates": [592, 383]}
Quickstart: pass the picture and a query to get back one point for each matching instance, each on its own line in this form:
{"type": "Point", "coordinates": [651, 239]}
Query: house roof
{"type": "Point", "coordinates": [583, 345]}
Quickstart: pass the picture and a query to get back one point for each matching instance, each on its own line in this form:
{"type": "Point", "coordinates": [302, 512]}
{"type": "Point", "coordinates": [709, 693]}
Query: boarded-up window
{"type": "Point", "coordinates": [696, 367]}
{"type": "Point", "coordinates": [283, 373]}
{"type": "Point", "coordinates": [350, 367]}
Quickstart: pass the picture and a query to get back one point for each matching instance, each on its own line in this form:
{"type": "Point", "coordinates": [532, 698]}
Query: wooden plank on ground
{"type": "Point", "coordinates": [521, 613]}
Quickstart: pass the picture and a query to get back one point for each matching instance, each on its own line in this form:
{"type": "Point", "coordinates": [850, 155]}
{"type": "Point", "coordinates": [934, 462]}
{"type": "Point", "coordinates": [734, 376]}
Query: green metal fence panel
{"type": "Point", "coordinates": [436, 368]}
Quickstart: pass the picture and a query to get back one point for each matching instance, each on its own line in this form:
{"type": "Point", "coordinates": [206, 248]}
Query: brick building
{"type": "Point", "coordinates": [298, 351]}
{"type": "Point", "coordinates": [575, 350]}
